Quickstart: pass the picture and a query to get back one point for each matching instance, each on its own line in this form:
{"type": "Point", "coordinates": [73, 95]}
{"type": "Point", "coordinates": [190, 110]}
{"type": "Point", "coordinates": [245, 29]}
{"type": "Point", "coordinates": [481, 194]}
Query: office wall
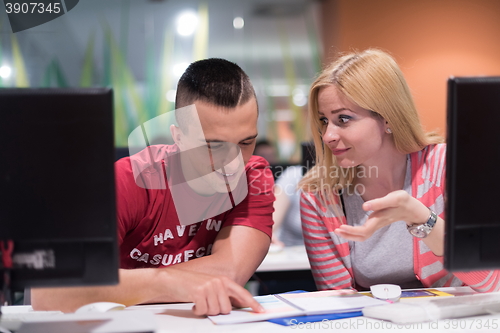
{"type": "Point", "coordinates": [430, 39]}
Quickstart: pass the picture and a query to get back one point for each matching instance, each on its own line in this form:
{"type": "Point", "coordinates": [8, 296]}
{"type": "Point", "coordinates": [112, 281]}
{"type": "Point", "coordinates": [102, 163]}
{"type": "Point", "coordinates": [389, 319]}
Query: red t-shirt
{"type": "Point", "coordinates": [149, 232]}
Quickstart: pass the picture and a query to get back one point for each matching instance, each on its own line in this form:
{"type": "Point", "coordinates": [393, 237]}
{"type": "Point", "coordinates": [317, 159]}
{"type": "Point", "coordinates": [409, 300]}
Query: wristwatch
{"type": "Point", "coordinates": [423, 230]}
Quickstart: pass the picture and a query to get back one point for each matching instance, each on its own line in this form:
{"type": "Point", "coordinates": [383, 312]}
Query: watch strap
{"type": "Point", "coordinates": [432, 219]}
{"type": "Point", "coordinates": [423, 230]}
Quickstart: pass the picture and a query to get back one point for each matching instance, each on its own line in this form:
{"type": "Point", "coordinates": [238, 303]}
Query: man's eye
{"type": "Point", "coordinates": [214, 147]}
{"type": "Point", "coordinates": [245, 143]}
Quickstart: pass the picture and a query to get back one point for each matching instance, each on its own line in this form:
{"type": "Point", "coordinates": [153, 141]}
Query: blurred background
{"type": "Point", "coordinates": [141, 47]}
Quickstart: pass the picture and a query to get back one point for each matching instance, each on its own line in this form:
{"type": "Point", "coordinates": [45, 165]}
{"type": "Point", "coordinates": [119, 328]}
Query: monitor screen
{"type": "Point", "coordinates": [57, 193]}
{"type": "Point", "coordinates": [472, 240]}
{"type": "Point", "coordinates": [308, 156]}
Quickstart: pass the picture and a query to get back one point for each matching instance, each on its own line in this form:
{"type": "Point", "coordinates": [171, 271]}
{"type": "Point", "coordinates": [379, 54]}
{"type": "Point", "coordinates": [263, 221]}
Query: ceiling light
{"type": "Point", "coordinates": [238, 23]}
{"type": "Point", "coordinates": [180, 68]}
{"type": "Point", "coordinates": [299, 98]}
{"type": "Point", "coordinates": [186, 23]}
{"type": "Point", "coordinates": [5, 72]}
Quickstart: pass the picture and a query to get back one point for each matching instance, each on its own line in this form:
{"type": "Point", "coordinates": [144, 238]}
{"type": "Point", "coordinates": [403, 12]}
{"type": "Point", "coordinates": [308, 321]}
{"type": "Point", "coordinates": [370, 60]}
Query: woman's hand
{"type": "Point", "coordinates": [395, 206]}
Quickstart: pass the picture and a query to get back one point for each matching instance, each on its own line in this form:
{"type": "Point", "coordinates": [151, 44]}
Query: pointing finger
{"type": "Point", "coordinates": [242, 298]}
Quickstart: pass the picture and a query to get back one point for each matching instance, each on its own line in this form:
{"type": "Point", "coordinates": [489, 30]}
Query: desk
{"type": "Point", "coordinates": [284, 270]}
{"type": "Point", "coordinates": [178, 318]}
{"type": "Point", "coordinates": [290, 258]}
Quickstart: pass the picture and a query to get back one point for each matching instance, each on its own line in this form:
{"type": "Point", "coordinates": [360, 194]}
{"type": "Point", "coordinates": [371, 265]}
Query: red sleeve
{"type": "Point", "coordinates": [256, 209]}
{"type": "Point", "coordinates": [131, 200]}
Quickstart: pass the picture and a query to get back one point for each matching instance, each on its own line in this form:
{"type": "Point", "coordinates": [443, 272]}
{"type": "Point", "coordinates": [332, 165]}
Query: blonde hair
{"type": "Point", "coordinates": [372, 80]}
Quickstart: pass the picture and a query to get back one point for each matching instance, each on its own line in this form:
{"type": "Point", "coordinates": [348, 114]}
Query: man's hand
{"type": "Point", "coordinates": [396, 206]}
{"type": "Point", "coordinates": [211, 294]}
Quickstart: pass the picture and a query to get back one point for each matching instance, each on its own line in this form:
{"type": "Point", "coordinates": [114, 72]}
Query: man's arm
{"type": "Point", "coordinates": [237, 252]}
{"type": "Point", "coordinates": [211, 294]}
{"type": "Point", "coordinates": [207, 281]}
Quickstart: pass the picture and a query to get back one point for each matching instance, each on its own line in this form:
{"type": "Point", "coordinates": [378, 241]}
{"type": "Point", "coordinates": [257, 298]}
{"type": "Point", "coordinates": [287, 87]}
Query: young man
{"type": "Point", "coordinates": [194, 218]}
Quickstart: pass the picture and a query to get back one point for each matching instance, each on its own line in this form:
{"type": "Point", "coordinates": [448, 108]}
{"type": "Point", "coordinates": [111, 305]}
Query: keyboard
{"type": "Point", "coordinates": [13, 316]}
{"type": "Point", "coordinates": [435, 309]}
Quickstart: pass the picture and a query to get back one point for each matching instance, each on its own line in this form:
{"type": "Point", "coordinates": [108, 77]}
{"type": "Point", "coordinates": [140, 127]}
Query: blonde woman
{"type": "Point", "coordinates": [372, 208]}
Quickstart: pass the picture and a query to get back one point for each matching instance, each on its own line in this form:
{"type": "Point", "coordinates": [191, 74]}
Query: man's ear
{"type": "Point", "coordinates": [176, 134]}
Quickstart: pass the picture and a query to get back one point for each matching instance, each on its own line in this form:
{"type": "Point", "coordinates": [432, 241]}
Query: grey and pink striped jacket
{"type": "Point", "coordinates": [329, 254]}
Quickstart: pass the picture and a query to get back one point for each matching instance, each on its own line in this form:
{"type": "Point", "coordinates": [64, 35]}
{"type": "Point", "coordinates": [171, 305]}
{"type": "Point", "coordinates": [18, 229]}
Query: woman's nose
{"type": "Point", "coordinates": [331, 134]}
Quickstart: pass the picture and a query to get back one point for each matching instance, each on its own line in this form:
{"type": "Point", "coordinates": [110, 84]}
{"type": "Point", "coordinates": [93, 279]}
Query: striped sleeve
{"type": "Point", "coordinates": [325, 256]}
{"type": "Point", "coordinates": [430, 180]}
{"type": "Point", "coordinates": [481, 281]}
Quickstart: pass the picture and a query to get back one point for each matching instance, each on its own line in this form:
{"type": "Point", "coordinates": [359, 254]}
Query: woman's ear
{"type": "Point", "coordinates": [387, 129]}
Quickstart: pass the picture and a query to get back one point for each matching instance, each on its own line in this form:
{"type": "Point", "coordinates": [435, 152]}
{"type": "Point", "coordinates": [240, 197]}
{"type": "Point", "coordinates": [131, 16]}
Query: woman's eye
{"type": "Point", "coordinates": [344, 119]}
{"type": "Point", "coordinates": [323, 120]}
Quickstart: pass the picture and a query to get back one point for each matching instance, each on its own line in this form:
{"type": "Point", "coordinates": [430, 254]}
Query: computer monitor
{"type": "Point", "coordinates": [308, 156]}
{"type": "Point", "coordinates": [472, 240]}
{"type": "Point", "coordinates": [57, 193]}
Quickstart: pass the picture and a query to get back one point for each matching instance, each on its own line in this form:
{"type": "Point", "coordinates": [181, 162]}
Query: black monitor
{"type": "Point", "coordinates": [308, 156]}
{"type": "Point", "coordinates": [57, 193]}
{"type": "Point", "coordinates": [472, 240]}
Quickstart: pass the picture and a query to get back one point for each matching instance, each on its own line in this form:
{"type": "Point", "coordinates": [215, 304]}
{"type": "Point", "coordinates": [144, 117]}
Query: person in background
{"type": "Point", "coordinates": [287, 230]}
{"type": "Point", "coordinates": [372, 207]}
{"type": "Point", "coordinates": [265, 149]}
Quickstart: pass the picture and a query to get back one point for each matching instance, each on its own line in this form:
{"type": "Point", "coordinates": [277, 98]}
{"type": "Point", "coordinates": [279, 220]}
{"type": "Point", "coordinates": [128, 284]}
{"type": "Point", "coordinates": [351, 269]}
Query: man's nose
{"type": "Point", "coordinates": [234, 165]}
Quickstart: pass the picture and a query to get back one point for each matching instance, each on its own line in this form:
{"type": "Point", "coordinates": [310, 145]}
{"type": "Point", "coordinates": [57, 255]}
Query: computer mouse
{"type": "Point", "coordinates": [387, 292]}
{"type": "Point", "coordinates": [99, 307]}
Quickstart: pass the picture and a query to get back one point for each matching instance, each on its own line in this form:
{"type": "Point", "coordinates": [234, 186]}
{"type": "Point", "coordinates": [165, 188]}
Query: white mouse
{"type": "Point", "coordinates": [100, 307]}
{"type": "Point", "coordinates": [389, 292]}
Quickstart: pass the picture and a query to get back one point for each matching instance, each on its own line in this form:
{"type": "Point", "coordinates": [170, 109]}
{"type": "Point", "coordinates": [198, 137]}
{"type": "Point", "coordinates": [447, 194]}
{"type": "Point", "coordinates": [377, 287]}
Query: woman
{"type": "Point", "coordinates": [372, 208]}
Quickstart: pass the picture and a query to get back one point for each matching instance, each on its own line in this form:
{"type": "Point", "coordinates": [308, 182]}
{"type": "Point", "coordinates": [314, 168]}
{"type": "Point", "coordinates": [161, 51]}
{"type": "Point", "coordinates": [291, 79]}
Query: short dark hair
{"type": "Point", "coordinates": [215, 81]}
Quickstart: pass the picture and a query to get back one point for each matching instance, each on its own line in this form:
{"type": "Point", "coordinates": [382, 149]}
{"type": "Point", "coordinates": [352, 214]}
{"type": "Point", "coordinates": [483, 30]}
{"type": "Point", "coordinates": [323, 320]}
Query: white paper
{"type": "Point", "coordinates": [300, 304]}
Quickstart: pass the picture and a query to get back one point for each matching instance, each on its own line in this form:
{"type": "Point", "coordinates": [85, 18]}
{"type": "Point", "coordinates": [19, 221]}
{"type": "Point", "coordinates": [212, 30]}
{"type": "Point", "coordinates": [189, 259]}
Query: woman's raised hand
{"type": "Point", "coordinates": [395, 206]}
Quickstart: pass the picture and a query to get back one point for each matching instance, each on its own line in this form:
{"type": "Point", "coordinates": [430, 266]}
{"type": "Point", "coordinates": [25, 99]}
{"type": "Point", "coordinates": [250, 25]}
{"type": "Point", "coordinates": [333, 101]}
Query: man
{"type": "Point", "coordinates": [164, 256]}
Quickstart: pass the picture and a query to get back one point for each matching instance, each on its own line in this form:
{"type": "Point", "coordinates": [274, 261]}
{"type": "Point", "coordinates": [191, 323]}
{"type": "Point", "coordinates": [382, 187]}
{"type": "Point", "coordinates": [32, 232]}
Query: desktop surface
{"type": "Point", "coordinates": [288, 258]}
{"type": "Point", "coordinates": [179, 318]}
